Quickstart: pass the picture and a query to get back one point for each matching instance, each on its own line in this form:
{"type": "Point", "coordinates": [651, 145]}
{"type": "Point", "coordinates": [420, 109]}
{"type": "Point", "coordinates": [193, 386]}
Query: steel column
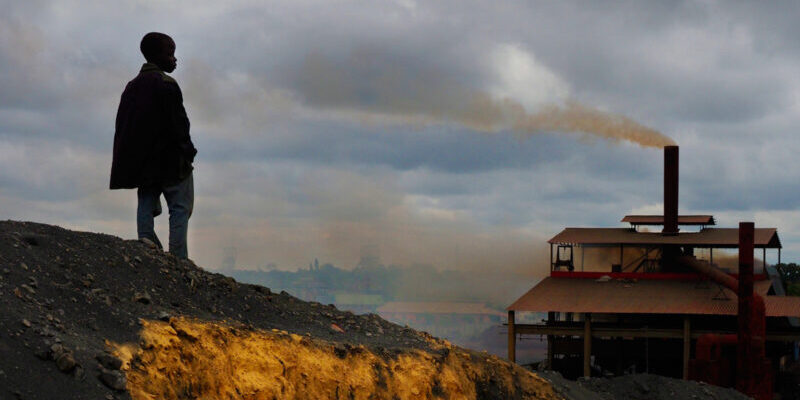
{"type": "Point", "coordinates": [587, 345]}
{"type": "Point", "coordinates": [583, 256]}
{"type": "Point", "coordinates": [687, 344]}
{"type": "Point", "coordinates": [550, 319]}
{"type": "Point", "coordinates": [512, 338]}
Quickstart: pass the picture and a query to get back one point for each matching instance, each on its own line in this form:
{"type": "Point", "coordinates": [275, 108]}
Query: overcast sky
{"type": "Point", "coordinates": [324, 127]}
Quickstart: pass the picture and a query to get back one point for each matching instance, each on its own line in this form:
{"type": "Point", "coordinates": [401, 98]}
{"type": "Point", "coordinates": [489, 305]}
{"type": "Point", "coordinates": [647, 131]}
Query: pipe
{"type": "Point", "coordinates": [753, 374]}
{"type": "Point", "coordinates": [716, 274]}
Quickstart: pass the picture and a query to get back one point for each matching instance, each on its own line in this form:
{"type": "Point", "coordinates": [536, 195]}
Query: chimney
{"type": "Point", "coordinates": [670, 190]}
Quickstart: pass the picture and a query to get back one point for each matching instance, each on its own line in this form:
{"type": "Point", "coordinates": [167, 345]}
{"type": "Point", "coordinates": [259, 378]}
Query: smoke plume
{"type": "Point", "coordinates": [371, 88]}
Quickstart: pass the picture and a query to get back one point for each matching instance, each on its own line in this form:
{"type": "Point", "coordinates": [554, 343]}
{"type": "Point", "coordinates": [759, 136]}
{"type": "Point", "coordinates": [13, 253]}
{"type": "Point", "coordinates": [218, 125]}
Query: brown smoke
{"type": "Point", "coordinates": [429, 96]}
{"type": "Point", "coordinates": [575, 117]}
{"type": "Point", "coordinates": [488, 115]}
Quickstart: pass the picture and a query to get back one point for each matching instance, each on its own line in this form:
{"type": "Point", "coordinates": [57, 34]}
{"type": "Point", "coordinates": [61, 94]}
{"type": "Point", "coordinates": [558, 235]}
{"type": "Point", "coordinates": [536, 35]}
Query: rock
{"type": "Point", "coordinates": [108, 361]}
{"type": "Point", "coordinates": [28, 289]}
{"type": "Point", "coordinates": [163, 316]}
{"type": "Point", "coordinates": [23, 266]}
{"type": "Point", "coordinates": [56, 351]}
{"type": "Point", "coordinates": [149, 243]}
{"type": "Point", "coordinates": [42, 354]}
{"type": "Point", "coordinates": [143, 298]}
{"type": "Point", "coordinates": [641, 386]}
{"type": "Point", "coordinates": [79, 373]}
{"type": "Point", "coordinates": [66, 363]}
{"type": "Point", "coordinates": [112, 379]}
{"type": "Point", "coordinates": [336, 328]}
{"type": "Point", "coordinates": [26, 323]}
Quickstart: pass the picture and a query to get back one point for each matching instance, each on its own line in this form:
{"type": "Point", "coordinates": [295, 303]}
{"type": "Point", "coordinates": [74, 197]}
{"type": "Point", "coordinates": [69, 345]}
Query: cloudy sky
{"type": "Point", "coordinates": [429, 130]}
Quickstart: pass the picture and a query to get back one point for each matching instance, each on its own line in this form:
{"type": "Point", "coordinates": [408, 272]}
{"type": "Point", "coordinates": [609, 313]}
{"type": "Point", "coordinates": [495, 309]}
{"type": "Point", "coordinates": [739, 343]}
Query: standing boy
{"type": "Point", "coordinates": [153, 151]}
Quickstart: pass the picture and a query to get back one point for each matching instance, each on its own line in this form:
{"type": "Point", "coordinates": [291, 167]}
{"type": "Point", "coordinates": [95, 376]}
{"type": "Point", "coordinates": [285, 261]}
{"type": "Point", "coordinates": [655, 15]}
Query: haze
{"type": "Point", "coordinates": [443, 133]}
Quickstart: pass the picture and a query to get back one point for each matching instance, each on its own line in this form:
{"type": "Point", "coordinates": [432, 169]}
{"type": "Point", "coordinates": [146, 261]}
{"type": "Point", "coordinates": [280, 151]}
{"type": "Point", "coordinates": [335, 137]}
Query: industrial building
{"type": "Point", "coordinates": [656, 300]}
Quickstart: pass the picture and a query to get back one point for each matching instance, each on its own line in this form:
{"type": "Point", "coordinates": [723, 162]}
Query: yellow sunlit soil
{"type": "Point", "coordinates": [184, 358]}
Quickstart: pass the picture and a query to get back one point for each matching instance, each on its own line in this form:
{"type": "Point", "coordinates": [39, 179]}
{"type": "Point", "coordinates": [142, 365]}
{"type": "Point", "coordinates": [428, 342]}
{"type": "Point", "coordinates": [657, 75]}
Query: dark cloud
{"type": "Point", "coordinates": [321, 127]}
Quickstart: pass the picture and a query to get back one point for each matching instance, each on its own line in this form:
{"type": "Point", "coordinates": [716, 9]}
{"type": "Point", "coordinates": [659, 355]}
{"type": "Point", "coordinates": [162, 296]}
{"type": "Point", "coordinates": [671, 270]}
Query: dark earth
{"type": "Point", "coordinates": [64, 293]}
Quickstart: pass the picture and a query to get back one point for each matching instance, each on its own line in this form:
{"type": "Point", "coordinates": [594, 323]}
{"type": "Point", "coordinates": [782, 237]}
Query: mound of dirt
{"type": "Point", "coordinates": [92, 316]}
{"type": "Point", "coordinates": [77, 307]}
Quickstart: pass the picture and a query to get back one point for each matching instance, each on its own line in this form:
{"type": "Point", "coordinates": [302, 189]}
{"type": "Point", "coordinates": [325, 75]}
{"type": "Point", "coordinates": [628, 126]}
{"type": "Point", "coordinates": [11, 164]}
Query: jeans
{"type": "Point", "coordinates": [180, 202]}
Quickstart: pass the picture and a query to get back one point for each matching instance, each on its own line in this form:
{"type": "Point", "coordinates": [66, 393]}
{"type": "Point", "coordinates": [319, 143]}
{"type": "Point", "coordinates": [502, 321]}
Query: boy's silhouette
{"type": "Point", "coordinates": [153, 151]}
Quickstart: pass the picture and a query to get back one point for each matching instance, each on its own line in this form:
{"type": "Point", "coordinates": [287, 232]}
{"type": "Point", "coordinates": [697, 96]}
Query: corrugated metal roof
{"type": "Point", "coordinates": [708, 237]}
{"type": "Point", "coordinates": [659, 219]}
{"type": "Point", "coordinates": [782, 306]}
{"type": "Point", "coordinates": [644, 297]}
{"type": "Point", "coordinates": [437, 308]}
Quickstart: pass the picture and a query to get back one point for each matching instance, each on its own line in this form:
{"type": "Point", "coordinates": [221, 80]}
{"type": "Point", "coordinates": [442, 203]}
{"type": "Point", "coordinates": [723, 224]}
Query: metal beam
{"type": "Point", "coordinates": [687, 345]}
{"type": "Point", "coordinates": [512, 338]}
{"type": "Point", "coordinates": [587, 345]}
{"type": "Point", "coordinates": [653, 333]}
{"type": "Point", "coordinates": [550, 319]}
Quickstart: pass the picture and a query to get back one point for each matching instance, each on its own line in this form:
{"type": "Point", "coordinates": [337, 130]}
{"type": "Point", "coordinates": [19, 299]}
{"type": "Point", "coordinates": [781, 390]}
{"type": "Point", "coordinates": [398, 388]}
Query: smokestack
{"type": "Point", "coordinates": [670, 190]}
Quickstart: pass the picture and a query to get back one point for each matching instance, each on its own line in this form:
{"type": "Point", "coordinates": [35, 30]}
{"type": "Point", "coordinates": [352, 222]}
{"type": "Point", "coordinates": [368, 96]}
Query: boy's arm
{"type": "Point", "coordinates": [179, 122]}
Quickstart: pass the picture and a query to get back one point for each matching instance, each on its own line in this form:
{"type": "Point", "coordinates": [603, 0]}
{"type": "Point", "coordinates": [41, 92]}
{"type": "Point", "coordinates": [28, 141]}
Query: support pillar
{"type": "Point", "coordinates": [587, 345]}
{"type": "Point", "coordinates": [550, 338]}
{"type": "Point", "coordinates": [687, 345]}
{"type": "Point", "coordinates": [512, 338]}
{"type": "Point", "coordinates": [583, 256]}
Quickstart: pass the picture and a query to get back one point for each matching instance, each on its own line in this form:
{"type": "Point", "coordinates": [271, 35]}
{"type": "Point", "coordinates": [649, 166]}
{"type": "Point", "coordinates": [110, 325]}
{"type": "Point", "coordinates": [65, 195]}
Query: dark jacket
{"type": "Point", "coordinates": [152, 145]}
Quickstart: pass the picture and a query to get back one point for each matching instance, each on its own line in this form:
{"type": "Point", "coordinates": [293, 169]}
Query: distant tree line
{"type": "Point", "coordinates": [790, 276]}
{"type": "Point", "coordinates": [418, 282]}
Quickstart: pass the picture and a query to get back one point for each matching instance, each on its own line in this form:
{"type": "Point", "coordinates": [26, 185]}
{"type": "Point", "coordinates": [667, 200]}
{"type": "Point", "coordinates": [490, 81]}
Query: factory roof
{"type": "Point", "coordinates": [645, 297]}
{"type": "Point", "coordinates": [659, 219]}
{"type": "Point", "coordinates": [707, 237]}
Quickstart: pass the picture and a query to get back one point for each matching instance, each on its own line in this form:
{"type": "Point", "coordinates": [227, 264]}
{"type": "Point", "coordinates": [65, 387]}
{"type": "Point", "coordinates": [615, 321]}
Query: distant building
{"type": "Point", "coordinates": [228, 259]}
{"type": "Point", "coordinates": [443, 319]}
{"type": "Point", "coordinates": [370, 256]}
{"type": "Point", "coordinates": [359, 303]}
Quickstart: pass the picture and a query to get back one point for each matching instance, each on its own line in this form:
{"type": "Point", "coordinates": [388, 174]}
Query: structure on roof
{"type": "Point", "coordinates": [630, 300]}
{"type": "Point", "coordinates": [636, 220]}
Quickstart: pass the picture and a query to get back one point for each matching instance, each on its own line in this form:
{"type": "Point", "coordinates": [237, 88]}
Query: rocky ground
{"type": "Point", "coordinates": [637, 387]}
{"type": "Point", "coordinates": [66, 295]}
